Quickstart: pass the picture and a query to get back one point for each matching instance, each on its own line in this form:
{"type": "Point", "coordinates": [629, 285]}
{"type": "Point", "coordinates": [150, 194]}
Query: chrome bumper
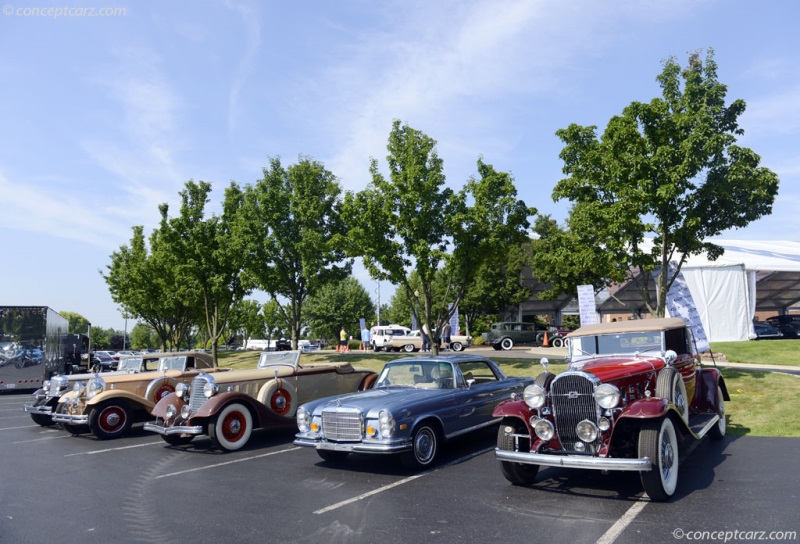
{"type": "Point", "coordinates": [574, 461]}
{"type": "Point", "coordinates": [41, 409]}
{"type": "Point", "coordinates": [352, 447]}
{"type": "Point", "coordinates": [73, 419]}
{"type": "Point", "coordinates": [177, 429]}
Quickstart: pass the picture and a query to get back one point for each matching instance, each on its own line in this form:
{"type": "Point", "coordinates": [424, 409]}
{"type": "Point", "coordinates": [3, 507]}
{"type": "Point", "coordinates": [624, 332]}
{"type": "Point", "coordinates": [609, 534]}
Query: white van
{"type": "Point", "coordinates": [378, 335]}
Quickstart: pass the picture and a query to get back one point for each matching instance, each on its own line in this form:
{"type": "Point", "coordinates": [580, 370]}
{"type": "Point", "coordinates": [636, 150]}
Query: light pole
{"type": "Point", "coordinates": [378, 291]}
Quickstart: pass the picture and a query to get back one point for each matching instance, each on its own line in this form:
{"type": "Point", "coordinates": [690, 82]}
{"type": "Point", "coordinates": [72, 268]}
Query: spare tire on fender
{"type": "Point", "coordinates": [160, 388]}
{"type": "Point", "coordinates": [280, 397]}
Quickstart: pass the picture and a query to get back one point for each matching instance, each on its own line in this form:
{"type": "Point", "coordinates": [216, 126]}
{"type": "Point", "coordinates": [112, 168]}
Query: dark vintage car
{"type": "Point", "coordinates": [107, 404]}
{"type": "Point", "coordinates": [507, 334]}
{"type": "Point", "coordinates": [227, 407]}
{"type": "Point", "coordinates": [415, 405]}
{"type": "Point", "coordinates": [765, 331]}
{"type": "Point", "coordinates": [631, 390]}
{"type": "Point", "coordinates": [46, 399]}
{"type": "Point", "coordinates": [789, 325]}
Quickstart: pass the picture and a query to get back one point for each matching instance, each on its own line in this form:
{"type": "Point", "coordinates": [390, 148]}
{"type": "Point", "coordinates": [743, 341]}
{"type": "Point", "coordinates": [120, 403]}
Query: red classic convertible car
{"type": "Point", "coordinates": [632, 389]}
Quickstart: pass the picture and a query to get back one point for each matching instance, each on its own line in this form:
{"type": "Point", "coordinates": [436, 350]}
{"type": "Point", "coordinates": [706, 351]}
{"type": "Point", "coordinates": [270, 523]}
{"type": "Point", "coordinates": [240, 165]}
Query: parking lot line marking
{"type": "Point", "coordinates": [45, 438]}
{"type": "Point", "coordinates": [400, 482]}
{"type": "Point", "coordinates": [14, 428]}
{"type": "Point", "coordinates": [114, 449]}
{"type": "Point", "coordinates": [620, 525]}
{"type": "Point", "coordinates": [373, 492]}
{"type": "Point", "coordinates": [223, 464]}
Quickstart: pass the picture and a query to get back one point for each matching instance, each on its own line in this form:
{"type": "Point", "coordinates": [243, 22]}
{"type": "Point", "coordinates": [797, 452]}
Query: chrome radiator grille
{"type": "Point", "coordinates": [54, 390]}
{"type": "Point", "coordinates": [196, 398]}
{"type": "Point", "coordinates": [341, 425]}
{"type": "Point", "coordinates": [573, 401]}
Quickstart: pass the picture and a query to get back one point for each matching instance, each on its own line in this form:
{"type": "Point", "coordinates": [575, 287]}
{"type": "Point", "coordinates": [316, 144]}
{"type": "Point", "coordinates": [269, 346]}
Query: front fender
{"type": "Point", "coordinates": [160, 409]}
{"type": "Point", "coordinates": [646, 409]}
{"type": "Point", "coordinates": [512, 408]}
{"type": "Point", "coordinates": [216, 403]}
{"type": "Point", "coordinates": [133, 400]}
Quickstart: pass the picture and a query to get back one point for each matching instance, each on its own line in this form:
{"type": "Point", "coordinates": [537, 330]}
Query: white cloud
{"type": "Point", "coordinates": [250, 19]}
{"type": "Point", "coordinates": [141, 159]}
{"type": "Point", "coordinates": [445, 65]}
{"type": "Point", "coordinates": [53, 213]}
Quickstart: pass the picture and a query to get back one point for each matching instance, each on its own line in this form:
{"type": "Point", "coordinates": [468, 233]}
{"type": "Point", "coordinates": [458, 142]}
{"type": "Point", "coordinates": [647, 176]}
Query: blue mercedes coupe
{"type": "Point", "coordinates": [415, 405]}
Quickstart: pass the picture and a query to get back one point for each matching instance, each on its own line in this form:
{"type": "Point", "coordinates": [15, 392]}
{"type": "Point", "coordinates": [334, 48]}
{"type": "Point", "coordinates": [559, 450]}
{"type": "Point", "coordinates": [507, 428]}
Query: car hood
{"type": "Point", "coordinates": [383, 398]}
{"type": "Point", "coordinates": [615, 367]}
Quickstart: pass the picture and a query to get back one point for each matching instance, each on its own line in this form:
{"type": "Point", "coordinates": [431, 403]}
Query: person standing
{"type": "Point", "coordinates": [364, 338]}
{"type": "Point", "coordinates": [426, 338]}
{"type": "Point", "coordinates": [342, 340]}
{"type": "Point", "coordinates": [446, 329]}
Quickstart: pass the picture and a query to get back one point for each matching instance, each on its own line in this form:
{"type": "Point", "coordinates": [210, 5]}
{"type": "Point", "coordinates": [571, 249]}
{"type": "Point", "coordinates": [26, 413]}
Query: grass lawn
{"type": "Point", "coordinates": [762, 403]}
{"type": "Point", "coordinates": [764, 352]}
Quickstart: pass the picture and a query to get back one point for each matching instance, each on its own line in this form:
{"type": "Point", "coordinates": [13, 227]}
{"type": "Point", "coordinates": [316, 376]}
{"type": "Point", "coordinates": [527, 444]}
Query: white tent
{"type": "Point", "coordinates": [750, 276]}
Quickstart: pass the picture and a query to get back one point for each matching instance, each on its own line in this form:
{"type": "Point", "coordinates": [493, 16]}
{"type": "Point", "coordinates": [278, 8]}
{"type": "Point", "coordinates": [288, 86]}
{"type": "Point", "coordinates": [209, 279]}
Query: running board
{"type": "Point", "coordinates": [700, 424]}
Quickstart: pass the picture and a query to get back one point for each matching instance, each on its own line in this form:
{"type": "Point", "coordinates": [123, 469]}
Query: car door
{"type": "Point", "coordinates": [479, 399]}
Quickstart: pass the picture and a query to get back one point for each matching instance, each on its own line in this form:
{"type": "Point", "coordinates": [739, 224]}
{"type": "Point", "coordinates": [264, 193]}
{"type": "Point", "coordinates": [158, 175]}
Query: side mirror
{"type": "Point", "coordinates": [470, 382]}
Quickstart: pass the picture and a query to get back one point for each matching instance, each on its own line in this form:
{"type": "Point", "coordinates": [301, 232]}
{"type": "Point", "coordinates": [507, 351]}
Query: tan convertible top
{"type": "Point", "coordinates": [633, 325]}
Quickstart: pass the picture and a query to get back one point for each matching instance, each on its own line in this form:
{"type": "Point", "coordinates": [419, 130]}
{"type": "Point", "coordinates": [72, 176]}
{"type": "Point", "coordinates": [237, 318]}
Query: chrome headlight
{"type": "Point", "coordinates": [303, 420]}
{"type": "Point", "coordinates": [182, 390]}
{"type": "Point", "coordinates": [534, 396]}
{"type": "Point", "coordinates": [171, 411]}
{"type": "Point", "coordinates": [60, 381]}
{"type": "Point", "coordinates": [46, 385]}
{"type": "Point", "coordinates": [95, 386]}
{"type": "Point", "coordinates": [386, 424]}
{"type": "Point", "coordinates": [186, 411]}
{"type": "Point", "coordinates": [606, 395]}
{"type": "Point", "coordinates": [79, 388]}
{"type": "Point", "coordinates": [544, 429]}
{"type": "Point", "coordinates": [210, 389]}
{"type": "Point", "coordinates": [587, 431]}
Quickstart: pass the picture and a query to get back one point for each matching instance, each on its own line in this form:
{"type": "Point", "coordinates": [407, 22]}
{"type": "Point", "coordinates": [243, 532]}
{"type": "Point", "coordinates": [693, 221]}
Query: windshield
{"type": "Point", "coordinates": [172, 363]}
{"type": "Point", "coordinates": [279, 358]}
{"type": "Point", "coordinates": [130, 363]}
{"type": "Point", "coordinates": [617, 343]}
{"type": "Point", "coordinates": [422, 375]}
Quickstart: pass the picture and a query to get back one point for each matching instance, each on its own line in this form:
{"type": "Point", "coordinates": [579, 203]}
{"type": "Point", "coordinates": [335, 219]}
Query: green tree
{"type": "Point", "coordinates": [245, 320]}
{"type": "Point", "coordinates": [143, 336]}
{"type": "Point", "coordinates": [77, 323]}
{"type": "Point", "coordinates": [147, 283]}
{"type": "Point", "coordinates": [668, 169]}
{"type": "Point", "coordinates": [411, 222]}
{"type": "Point", "coordinates": [497, 285]}
{"type": "Point", "coordinates": [338, 304]}
{"type": "Point", "coordinates": [301, 235]}
{"type": "Point", "coordinates": [211, 252]}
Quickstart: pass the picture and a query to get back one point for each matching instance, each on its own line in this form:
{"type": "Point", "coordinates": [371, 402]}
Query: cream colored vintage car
{"type": "Point", "coordinates": [108, 405]}
{"type": "Point", "coordinates": [227, 407]}
{"type": "Point", "coordinates": [45, 400]}
{"type": "Point", "coordinates": [413, 342]}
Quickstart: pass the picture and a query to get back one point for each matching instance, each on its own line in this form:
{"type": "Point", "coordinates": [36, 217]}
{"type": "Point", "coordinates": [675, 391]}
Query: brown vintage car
{"type": "Point", "coordinates": [228, 406]}
{"type": "Point", "coordinates": [108, 404]}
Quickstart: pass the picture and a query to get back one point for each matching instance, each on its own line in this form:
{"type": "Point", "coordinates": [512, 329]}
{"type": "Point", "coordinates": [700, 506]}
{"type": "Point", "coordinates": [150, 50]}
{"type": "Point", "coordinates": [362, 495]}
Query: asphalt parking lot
{"type": "Point", "coordinates": [61, 488]}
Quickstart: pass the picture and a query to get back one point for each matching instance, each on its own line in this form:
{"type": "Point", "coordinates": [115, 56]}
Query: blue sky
{"type": "Point", "coordinates": [104, 118]}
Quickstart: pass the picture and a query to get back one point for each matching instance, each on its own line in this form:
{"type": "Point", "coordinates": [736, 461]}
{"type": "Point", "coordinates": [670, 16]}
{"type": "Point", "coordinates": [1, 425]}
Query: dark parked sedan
{"type": "Point", "coordinates": [415, 405]}
{"type": "Point", "coordinates": [765, 331]}
{"type": "Point", "coordinates": [789, 325]}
